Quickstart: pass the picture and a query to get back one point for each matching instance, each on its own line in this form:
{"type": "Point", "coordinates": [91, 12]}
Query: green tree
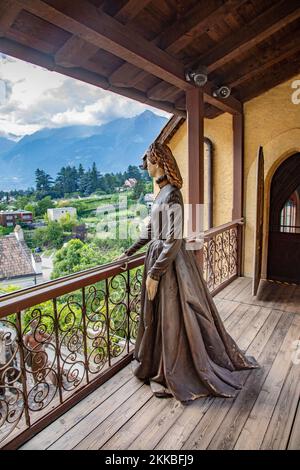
{"type": "Point", "coordinates": [68, 222]}
{"type": "Point", "coordinates": [73, 257]}
{"type": "Point", "coordinates": [43, 205]}
{"type": "Point", "coordinates": [43, 181]}
{"type": "Point", "coordinates": [51, 236]}
{"type": "Point", "coordinates": [133, 172]}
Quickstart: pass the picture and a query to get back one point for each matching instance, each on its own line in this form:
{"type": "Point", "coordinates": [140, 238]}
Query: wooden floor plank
{"type": "Point", "coordinates": [102, 433]}
{"type": "Point", "coordinates": [280, 425]}
{"type": "Point", "coordinates": [158, 427]}
{"type": "Point", "coordinates": [236, 317]}
{"type": "Point", "coordinates": [240, 281]}
{"type": "Point", "coordinates": [245, 321]}
{"type": "Point", "coordinates": [239, 288]}
{"type": "Point", "coordinates": [287, 297]}
{"type": "Point", "coordinates": [207, 434]}
{"type": "Point", "coordinates": [255, 427]}
{"type": "Point", "coordinates": [62, 425]}
{"type": "Point", "coordinates": [89, 422]}
{"type": "Point", "coordinates": [294, 302]}
{"type": "Point", "coordinates": [225, 307]}
{"type": "Point", "coordinates": [132, 428]}
{"type": "Point", "coordinates": [251, 330]}
{"type": "Point", "coordinates": [294, 441]}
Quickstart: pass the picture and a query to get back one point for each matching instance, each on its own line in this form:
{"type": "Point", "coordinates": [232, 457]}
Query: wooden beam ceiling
{"type": "Point", "coordinates": [195, 22]}
{"type": "Point", "coordinates": [83, 19]}
{"type": "Point", "coordinates": [260, 29]}
{"type": "Point", "coordinates": [178, 35]}
{"type": "Point", "coordinates": [76, 51]}
{"type": "Point", "coordinates": [130, 10]}
{"type": "Point", "coordinates": [253, 67]}
{"type": "Point", "coordinates": [257, 31]}
{"type": "Point", "coordinates": [8, 15]}
{"type": "Point", "coordinates": [93, 26]}
{"type": "Point", "coordinates": [44, 60]}
{"type": "Point", "coordinates": [278, 73]}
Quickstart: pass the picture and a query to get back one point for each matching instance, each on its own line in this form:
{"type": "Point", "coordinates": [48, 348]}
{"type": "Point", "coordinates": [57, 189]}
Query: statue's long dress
{"type": "Point", "coordinates": [181, 342]}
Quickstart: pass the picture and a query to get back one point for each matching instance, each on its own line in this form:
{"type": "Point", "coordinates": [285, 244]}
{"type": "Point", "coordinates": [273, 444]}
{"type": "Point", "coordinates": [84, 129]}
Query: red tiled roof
{"type": "Point", "coordinates": [15, 258]}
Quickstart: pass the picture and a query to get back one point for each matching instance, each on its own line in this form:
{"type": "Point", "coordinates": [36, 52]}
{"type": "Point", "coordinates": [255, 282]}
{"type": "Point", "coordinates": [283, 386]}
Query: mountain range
{"type": "Point", "coordinates": [112, 146]}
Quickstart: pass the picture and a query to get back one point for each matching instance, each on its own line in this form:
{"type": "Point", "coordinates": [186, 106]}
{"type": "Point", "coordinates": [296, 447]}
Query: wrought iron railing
{"type": "Point", "coordinates": [222, 254]}
{"type": "Point", "coordinates": [62, 339]}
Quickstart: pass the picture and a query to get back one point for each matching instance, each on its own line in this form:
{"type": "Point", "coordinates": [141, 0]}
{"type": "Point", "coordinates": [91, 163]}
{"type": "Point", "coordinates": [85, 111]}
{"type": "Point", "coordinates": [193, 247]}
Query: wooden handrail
{"type": "Point", "coordinates": [25, 298]}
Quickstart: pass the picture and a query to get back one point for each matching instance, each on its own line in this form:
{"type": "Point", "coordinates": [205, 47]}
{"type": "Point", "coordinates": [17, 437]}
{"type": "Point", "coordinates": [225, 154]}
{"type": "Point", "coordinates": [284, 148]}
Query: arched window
{"type": "Point", "coordinates": [290, 214]}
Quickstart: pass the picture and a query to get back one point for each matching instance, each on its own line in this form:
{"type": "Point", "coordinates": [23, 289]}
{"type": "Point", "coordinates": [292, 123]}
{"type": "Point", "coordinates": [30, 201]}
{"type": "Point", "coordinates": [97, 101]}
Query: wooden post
{"type": "Point", "coordinates": [195, 130]}
{"type": "Point", "coordinates": [238, 186]}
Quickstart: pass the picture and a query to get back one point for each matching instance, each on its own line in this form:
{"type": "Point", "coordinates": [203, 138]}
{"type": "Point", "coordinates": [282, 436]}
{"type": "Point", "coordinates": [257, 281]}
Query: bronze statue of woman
{"type": "Point", "coordinates": [182, 348]}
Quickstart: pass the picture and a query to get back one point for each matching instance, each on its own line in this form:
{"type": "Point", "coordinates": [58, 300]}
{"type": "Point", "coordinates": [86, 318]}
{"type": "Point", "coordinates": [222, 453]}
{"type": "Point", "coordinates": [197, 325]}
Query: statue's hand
{"type": "Point", "coordinates": [122, 256]}
{"type": "Point", "coordinates": [151, 286]}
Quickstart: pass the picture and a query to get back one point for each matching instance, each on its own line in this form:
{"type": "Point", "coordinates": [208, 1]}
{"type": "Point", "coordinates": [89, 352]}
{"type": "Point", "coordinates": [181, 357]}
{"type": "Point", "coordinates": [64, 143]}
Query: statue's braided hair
{"type": "Point", "coordinates": [163, 156]}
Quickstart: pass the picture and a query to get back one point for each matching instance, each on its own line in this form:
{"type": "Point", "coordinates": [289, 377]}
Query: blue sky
{"type": "Point", "coordinates": [32, 98]}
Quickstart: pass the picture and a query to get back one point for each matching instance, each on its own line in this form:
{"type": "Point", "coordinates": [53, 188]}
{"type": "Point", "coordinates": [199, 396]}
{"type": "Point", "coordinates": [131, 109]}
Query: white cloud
{"type": "Point", "coordinates": [37, 98]}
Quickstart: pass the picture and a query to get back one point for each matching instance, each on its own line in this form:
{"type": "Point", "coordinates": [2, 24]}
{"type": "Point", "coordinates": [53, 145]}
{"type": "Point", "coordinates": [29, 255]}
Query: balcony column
{"type": "Point", "coordinates": [238, 177]}
{"type": "Point", "coordinates": [195, 132]}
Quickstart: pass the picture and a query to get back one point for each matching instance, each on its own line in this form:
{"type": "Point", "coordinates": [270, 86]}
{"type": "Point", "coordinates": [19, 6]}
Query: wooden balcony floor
{"type": "Point", "coordinates": [123, 413]}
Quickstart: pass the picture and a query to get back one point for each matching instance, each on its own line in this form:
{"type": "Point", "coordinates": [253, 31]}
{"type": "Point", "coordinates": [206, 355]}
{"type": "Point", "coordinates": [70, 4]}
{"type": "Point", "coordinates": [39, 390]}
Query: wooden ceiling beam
{"type": "Point", "coordinates": [276, 75]}
{"type": "Point", "coordinates": [44, 60]}
{"type": "Point", "coordinates": [178, 35]}
{"type": "Point", "coordinates": [85, 21]}
{"type": "Point", "coordinates": [130, 10]}
{"type": "Point", "coordinates": [8, 15]}
{"type": "Point", "coordinates": [255, 67]}
{"type": "Point", "coordinates": [76, 51]}
{"type": "Point", "coordinates": [258, 30]}
{"type": "Point", "coordinates": [196, 22]}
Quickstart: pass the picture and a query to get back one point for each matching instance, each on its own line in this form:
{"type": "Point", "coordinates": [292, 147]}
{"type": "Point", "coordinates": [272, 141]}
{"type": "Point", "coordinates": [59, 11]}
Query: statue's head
{"type": "Point", "coordinates": [161, 156]}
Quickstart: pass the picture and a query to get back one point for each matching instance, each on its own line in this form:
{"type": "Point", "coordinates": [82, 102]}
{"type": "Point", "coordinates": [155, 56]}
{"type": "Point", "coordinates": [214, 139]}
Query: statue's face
{"type": "Point", "coordinates": [151, 168]}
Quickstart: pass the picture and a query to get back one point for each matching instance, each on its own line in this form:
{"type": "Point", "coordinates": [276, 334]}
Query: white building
{"type": "Point", "coordinates": [59, 212]}
{"type": "Point", "coordinates": [148, 199]}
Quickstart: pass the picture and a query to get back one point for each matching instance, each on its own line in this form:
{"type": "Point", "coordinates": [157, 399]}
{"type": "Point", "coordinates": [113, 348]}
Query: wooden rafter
{"type": "Point", "coordinates": [44, 60]}
{"type": "Point", "coordinates": [277, 74]}
{"type": "Point", "coordinates": [195, 22]}
{"type": "Point", "coordinates": [76, 51]}
{"type": "Point", "coordinates": [258, 30]}
{"type": "Point", "coordinates": [253, 68]}
{"type": "Point", "coordinates": [178, 36]}
{"type": "Point", "coordinates": [130, 10]}
{"type": "Point", "coordinates": [84, 20]}
{"type": "Point", "coordinates": [8, 14]}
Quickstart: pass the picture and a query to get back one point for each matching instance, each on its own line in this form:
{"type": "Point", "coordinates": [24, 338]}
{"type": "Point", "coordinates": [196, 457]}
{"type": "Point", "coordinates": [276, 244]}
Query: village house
{"type": "Point", "coordinates": [12, 218]}
{"type": "Point", "coordinates": [57, 213]}
{"type": "Point", "coordinates": [18, 266]}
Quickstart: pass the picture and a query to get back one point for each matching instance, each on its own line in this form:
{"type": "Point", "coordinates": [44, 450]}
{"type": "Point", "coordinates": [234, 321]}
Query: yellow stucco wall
{"type": "Point", "coordinates": [271, 120]}
{"type": "Point", "coordinates": [219, 131]}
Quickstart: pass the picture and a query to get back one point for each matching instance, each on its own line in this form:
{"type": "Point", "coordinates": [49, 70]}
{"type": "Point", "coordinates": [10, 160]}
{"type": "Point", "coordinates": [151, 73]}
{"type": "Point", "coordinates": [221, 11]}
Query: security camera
{"type": "Point", "coordinates": [198, 76]}
{"type": "Point", "coordinates": [222, 92]}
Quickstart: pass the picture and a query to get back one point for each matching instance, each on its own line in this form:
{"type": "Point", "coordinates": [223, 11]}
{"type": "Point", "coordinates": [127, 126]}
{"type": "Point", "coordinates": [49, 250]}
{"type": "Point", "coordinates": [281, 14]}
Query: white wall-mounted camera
{"type": "Point", "coordinates": [198, 76]}
{"type": "Point", "coordinates": [222, 92]}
